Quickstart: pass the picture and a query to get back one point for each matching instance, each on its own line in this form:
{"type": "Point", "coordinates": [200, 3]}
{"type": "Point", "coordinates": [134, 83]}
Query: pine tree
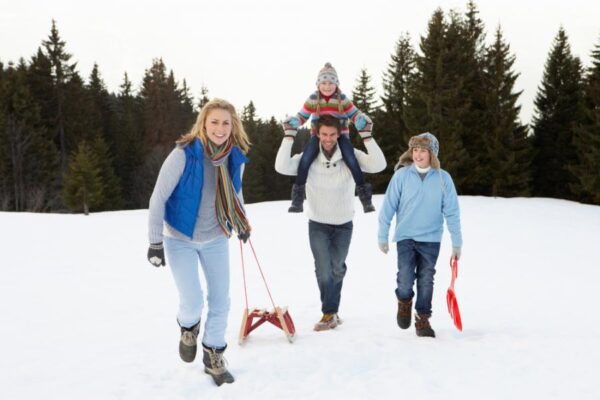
{"type": "Point", "coordinates": [506, 142]}
{"type": "Point", "coordinates": [83, 187]}
{"type": "Point", "coordinates": [129, 147]}
{"type": "Point", "coordinates": [28, 156]}
{"type": "Point", "coordinates": [363, 97]}
{"type": "Point", "coordinates": [390, 120]}
{"type": "Point", "coordinates": [102, 112]}
{"type": "Point", "coordinates": [203, 99]}
{"type": "Point", "coordinates": [586, 137]}
{"type": "Point", "coordinates": [435, 100]}
{"type": "Point", "coordinates": [62, 71]}
{"type": "Point", "coordinates": [558, 108]}
{"type": "Point", "coordinates": [111, 193]}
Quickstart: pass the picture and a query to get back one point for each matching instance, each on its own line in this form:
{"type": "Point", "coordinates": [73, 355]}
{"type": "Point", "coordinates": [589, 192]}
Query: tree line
{"type": "Point", "coordinates": [68, 144]}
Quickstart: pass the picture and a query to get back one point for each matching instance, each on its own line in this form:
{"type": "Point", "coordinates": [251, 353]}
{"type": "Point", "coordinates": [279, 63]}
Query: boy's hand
{"type": "Point", "coordinates": [384, 247]}
{"type": "Point", "coordinates": [456, 253]}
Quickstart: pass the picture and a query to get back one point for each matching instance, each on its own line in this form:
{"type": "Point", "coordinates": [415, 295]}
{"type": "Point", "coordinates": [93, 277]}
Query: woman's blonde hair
{"type": "Point", "coordinates": [240, 138]}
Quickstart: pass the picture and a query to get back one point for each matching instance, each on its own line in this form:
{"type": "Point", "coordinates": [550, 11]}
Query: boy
{"type": "Point", "coordinates": [420, 195]}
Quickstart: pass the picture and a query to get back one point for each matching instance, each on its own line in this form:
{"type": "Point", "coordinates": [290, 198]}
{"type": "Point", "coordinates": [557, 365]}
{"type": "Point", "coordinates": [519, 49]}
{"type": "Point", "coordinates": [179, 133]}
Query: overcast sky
{"type": "Point", "coordinates": [270, 51]}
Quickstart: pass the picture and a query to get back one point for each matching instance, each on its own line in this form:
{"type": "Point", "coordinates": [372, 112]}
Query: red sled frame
{"type": "Point", "coordinates": [280, 317]}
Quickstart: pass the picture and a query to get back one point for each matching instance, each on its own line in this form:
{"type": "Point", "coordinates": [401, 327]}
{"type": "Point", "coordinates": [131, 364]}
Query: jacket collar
{"type": "Point", "coordinates": [337, 155]}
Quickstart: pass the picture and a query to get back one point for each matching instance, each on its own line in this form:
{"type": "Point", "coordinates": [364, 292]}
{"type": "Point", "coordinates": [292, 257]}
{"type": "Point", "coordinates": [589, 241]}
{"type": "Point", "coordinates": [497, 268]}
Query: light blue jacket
{"type": "Point", "coordinates": [420, 207]}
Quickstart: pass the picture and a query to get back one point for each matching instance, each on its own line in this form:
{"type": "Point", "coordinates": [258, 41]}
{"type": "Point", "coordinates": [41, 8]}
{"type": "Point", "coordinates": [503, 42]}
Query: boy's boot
{"type": "Point", "coordinates": [328, 321]}
{"type": "Point", "coordinates": [422, 325]}
{"type": "Point", "coordinates": [365, 192]}
{"type": "Point", "coordinates": [187, 343]}
{"type": "Point", "coordinates": [214, 365]}
{"type": "Point", "coordinates": [298, 195]}
{"type": "Point", "coordinates": [404, 313]}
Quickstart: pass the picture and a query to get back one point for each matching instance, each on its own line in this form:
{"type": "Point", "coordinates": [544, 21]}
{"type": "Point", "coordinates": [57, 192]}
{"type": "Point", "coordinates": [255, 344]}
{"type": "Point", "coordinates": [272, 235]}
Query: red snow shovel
{"type": "Point", "coordinates": [280, 317]}
{"type": "Point", "coordinates": [451, 296]}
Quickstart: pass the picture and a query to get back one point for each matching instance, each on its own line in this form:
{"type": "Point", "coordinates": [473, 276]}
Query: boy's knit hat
{"type": "Point", "coordinates": [425, 141]}
{"type": "Point", "coordinates": [327, 74]}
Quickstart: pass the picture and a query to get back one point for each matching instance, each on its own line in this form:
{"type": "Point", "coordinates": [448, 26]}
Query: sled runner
{"type": "Point", "coordinates": [252, 319]}
{"type": "Point", "coordinates": [451, 296]}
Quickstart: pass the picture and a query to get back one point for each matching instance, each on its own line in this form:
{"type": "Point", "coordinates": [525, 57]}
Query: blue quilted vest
{"type": "Point", "coordinates": [181, 210]}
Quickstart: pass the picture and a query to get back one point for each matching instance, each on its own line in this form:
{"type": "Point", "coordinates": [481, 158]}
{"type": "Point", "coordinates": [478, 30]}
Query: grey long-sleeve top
{"type": "Point", "coordinates": [207, 227]}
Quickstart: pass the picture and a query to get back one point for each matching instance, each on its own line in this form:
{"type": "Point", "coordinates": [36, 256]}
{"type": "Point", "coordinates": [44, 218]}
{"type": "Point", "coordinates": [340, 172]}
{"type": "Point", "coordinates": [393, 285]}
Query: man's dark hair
{"type": "Point", "coordinates": [329, 120]}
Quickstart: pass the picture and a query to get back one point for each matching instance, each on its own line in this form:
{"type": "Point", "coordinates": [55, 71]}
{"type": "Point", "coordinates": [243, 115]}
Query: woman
{"type": "Point", "coordinates": [198, 196]}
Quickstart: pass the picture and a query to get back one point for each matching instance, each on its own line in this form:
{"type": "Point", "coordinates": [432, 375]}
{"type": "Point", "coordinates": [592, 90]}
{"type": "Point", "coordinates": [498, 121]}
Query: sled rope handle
{"type": "Point", "coordinates": [259, 269]}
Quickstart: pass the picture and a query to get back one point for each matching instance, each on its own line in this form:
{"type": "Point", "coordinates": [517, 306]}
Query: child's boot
{"type": "Point", "coordinates": [422, 325]}
{"type": "Point", "coordinates": [298, 194]}
{"type": "Point", "coordinates": [404, 313]}
{"type": "Point", "coordinates": [365, 192]}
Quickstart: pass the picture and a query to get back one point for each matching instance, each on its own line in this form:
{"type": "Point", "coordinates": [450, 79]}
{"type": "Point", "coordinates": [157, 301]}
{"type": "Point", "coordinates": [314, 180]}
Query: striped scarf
{"type": "Point", "coordinates": [230, 212]}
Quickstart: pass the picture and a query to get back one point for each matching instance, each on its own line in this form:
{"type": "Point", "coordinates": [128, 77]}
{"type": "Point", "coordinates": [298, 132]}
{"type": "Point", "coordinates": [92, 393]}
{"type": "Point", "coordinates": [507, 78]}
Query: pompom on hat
{"type": "Point", "coordinates": [328, 74]}
{"type": "Point", "coordinates": [425, 141]}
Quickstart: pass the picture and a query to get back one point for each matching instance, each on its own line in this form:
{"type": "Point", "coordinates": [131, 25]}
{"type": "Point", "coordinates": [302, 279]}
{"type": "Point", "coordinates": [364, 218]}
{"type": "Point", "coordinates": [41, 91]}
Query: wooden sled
{"type": "Point", "coordinates": [280, 317]}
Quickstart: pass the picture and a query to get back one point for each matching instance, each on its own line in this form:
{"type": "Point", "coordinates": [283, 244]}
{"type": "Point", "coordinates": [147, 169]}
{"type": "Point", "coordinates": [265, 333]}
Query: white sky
{"type": "Point", "coordinates": [270, 51]}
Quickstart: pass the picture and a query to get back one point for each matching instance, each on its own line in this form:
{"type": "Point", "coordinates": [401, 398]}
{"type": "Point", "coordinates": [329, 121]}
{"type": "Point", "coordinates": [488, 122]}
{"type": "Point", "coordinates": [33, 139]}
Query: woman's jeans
{"type": "Point", "coordinates": [416, 260]}
{"type": "Point", "coordinates": [182, 258]}
{"type": "Point", "coordinates": [329, 245]}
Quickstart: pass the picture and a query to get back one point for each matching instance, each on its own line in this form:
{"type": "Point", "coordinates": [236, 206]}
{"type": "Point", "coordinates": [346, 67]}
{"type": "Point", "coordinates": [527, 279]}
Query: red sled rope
{"type": "Point", "coordinates": [451, 296]}
{"type": "Point", "coordinates": [280, 317]}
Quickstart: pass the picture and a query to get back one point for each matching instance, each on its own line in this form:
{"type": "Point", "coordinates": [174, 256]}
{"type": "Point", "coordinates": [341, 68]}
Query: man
{"type": "Point", "coordinates": [330, 196]}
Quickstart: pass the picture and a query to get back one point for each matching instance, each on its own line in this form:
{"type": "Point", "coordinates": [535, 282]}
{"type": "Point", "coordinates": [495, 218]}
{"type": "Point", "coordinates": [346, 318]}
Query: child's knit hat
{"type": "Point", "coordinates": [425, 141]}
{"type": "Point", "coordinates": [328, 74]}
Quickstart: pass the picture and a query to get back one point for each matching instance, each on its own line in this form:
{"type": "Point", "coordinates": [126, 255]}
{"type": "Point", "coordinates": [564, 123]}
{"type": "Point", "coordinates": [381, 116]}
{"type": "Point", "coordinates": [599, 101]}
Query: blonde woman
{"type": "Point", "coordinates": [195, 207]}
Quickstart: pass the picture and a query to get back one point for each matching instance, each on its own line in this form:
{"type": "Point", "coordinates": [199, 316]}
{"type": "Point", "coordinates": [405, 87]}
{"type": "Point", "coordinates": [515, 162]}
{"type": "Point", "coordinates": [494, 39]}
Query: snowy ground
{"type": "Point", "coordinates": [84, 316]}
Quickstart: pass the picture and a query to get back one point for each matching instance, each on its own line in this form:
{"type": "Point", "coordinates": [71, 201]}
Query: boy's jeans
{"type": "Point", "coordinates": [416, 260]}
{"type": "Point", "coordinates": [182, 258]}
{"type": "Point", "coordinates": [329, 245]}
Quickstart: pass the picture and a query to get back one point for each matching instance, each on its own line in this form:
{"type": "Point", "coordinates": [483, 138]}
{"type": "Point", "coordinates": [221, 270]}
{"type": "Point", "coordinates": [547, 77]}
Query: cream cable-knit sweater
{"type": "Point", "coordinates": [330, 187]}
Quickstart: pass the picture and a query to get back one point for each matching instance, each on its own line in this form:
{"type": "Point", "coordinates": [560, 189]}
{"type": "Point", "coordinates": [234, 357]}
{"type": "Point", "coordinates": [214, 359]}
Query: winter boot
{"type": "Point", "coordinates": [215, 365]}
{"type": "Point", "coordinates": [422, 325]}
{"type": "Point", "coordinates": [328, 321]}
{"type": "Point", "coordinates": [365, 192]}
{"type": "Point", "coordinates": [187, 343]}
{"type": "Point", "coordinates": [404, 313]}
{"type": "Point", "coordinates": [298, 195]}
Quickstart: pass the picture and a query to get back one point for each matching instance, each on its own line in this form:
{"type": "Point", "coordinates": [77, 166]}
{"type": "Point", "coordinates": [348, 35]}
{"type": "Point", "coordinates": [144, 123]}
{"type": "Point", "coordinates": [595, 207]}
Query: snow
{"type": "Point", "coordinates": [84, 315]}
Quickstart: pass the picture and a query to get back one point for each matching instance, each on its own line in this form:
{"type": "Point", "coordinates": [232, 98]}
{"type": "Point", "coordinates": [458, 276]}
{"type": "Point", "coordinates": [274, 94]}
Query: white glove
{"type": "Point", "coordinates": [384, 247]}
{"type": "Point", "coordinates": [456, 253]}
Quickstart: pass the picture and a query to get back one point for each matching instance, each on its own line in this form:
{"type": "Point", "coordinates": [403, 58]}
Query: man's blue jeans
{"type": "Point", "coordinates": [329, 245]}
{"type": "Point", "coordinates": [416, 260]}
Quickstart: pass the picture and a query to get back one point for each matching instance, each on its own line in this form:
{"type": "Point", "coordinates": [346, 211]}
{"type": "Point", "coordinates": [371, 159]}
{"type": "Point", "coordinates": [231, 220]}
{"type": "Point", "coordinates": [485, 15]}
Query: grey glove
{"type": "Point", "coordinates": [156, 254]}
{"type": "Point", "coordinates": [384, 247]}
{"type": "Point", "coordinates": [456, 253]}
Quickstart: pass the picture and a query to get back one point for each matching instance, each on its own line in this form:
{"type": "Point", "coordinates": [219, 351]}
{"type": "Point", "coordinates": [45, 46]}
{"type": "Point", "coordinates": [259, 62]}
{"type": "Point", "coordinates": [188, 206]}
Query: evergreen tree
{"type": "Point", "coordinates": [203, 99]}
{"type": "Point", "coordinates": [129, 148]}
{"type": "Point", "coordinates": [363, 97]}
{"type": "Point", "coordinates": [506, 140]}
{"type": "Point", "coordinates": [83, 188]}
{"type": "Point", "coordinates": [435, 100]}
{"type": "Point", "coordinates": [61, 71]}
{"type": "Point", "coordinates": [558, 109]}
{"type": "Point", "coordinates": [28, 156]}
{"type": "Point", "coordinates": [587, 137]}
{"type": "Point", "coordinates": [111, 193]}
{"type": "Point", "coordinates": [101, 112]}
{"type": "Point", "coordinates": [390, 120]}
